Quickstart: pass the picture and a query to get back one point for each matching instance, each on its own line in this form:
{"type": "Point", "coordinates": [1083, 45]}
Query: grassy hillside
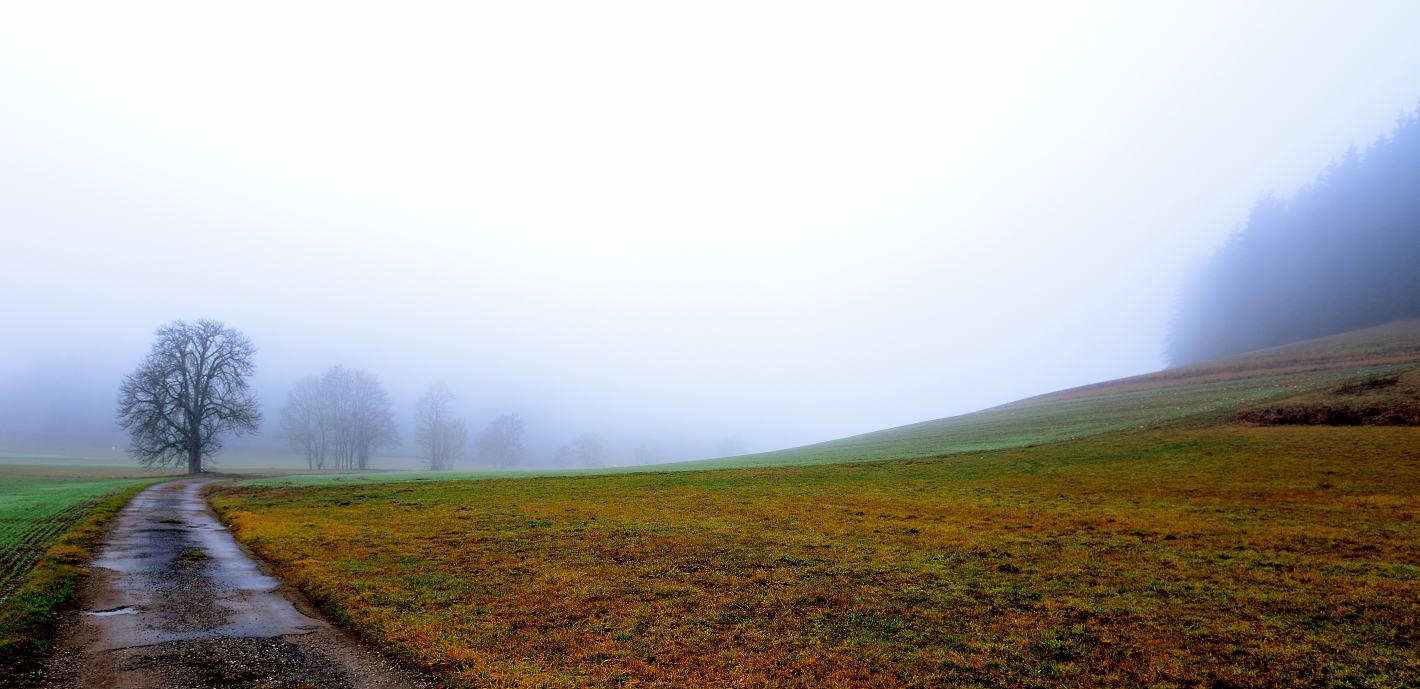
{"type": "Point", "coordinates": [1225, 557]}
{"type": "Point", "coordinates": [1381, 401]}
{"type": "Point", "coordinates": [1390, 344]}
{"type": "Point", "coordinates": [1212, 390]}
{"type": "Point", "coordinates": [1188, 395]}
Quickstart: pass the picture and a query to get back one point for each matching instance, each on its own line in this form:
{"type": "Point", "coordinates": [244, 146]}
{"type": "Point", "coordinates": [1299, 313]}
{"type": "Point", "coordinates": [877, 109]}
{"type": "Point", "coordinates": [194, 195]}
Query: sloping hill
{"type": "Point", "coordinates": [1212, 390]}
{"type": "Point", "coordinates": [1393, 343]}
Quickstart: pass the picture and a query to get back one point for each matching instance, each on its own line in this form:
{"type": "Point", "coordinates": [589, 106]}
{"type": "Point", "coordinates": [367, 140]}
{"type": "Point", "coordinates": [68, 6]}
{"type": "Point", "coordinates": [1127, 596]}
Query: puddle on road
{"type": "Point", "coordinates": [125, 610]}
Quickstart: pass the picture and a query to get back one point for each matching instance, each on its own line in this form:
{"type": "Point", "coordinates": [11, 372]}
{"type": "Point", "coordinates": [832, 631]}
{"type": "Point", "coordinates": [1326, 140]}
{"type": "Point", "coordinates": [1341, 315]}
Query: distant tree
{"type": "Point", "coordinates": [436, 430]}
{"type": "Point", "coordinates": [731, 446]}
{"type": "Point", "coordinates": [565, 457]}
{"type": "Point", "coordinates": [339, 419]}
{"type": "Point", "coordinates": [589, 450]}
{"type": "Point", "coordinates": [642, 456]}
{"type": "Point", "coordinates": [306, 422]}
{"type": "Point", "coordinates": [366, 417]}
{"type": "Point", "coordinates": [501, 444]}
{"type": "Point", "coordinates": [585, 449]}
{"type": "Point", "coordinates": [189, 390]}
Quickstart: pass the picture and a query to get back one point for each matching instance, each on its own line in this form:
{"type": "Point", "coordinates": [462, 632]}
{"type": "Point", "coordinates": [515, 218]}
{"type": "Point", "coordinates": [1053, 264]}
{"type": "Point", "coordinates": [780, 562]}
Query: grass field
{"type": "Point", "coordinates": [993, 429]}
{"type": "Point", "coordinates": [36, 510]}
{"type": "Point", "coordinates": [1121, 534]}
{"type": "Point", "coordinates": [27, 614]}
{"type": "Point", "coordinates": [1055, 420]}
{"type": "Point", "coordinates": [1218, 557]}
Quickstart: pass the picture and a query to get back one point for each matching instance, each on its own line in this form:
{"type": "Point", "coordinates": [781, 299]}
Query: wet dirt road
{"type": "Point", "coordinates": [173, 600]}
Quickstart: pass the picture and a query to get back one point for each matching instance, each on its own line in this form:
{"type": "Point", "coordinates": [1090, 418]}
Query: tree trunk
{"type": "Point", "coordinates": [194, 458]}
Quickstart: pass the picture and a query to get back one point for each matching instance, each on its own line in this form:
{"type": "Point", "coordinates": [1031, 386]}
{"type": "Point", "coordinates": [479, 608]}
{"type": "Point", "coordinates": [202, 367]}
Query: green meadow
{"type": "Point", "coordinates": [36, 510]}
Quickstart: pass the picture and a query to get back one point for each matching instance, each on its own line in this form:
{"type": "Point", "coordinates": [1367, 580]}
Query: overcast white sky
{"type": "Point", "coordinates": [664, 222]}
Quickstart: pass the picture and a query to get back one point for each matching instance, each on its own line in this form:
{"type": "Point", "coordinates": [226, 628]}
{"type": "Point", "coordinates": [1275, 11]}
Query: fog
{"type": "Point", "coordinates": [746, 226]}
{"type": "Point", "coordinates": [1340, 254]}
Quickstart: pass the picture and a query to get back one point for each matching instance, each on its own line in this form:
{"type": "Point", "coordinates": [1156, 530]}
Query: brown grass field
{"type": "Point", "coordinates": [1213, 557]}
{"type": "Point", "coordinates": [1389, 344]}
{"type": "Point", "coordinates": [1380, 401]}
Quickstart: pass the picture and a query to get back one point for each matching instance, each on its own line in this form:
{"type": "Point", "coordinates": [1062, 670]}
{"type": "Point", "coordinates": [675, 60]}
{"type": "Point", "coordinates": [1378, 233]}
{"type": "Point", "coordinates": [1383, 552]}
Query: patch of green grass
{"type": "Point", "coordinates": [27, 614]}
{"type": "Point", "coordinates": [1385, 400]}
{"type": "Point", "coordinates": [36, 510]}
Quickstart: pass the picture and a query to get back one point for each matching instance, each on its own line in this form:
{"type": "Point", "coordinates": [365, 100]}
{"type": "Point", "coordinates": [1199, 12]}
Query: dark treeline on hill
{"type": "Point", "coordinates": [1342, 254]}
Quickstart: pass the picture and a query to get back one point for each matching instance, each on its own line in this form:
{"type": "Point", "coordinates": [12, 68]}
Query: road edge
{"type": "Point", "coordinates": [28, 616]}
{"type": "Point", "coordinates": [414, 674]}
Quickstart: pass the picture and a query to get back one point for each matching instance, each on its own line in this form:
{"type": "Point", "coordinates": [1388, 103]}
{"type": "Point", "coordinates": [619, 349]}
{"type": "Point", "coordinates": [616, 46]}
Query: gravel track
{"type": "Point", "coordinates": [173, 601]}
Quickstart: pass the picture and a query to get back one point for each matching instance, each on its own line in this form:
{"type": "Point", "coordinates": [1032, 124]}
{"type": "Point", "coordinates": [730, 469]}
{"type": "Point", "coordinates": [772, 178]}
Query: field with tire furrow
{"type": "Point", "coordinates": [36, 510]}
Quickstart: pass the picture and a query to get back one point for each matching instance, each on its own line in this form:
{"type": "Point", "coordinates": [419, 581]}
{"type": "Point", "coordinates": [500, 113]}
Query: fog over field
{"type": "Point", "coordinates": [670, 226]}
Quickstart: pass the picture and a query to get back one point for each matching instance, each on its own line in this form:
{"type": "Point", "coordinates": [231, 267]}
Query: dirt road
{"type": "Point", "coordinates": [174, 601]}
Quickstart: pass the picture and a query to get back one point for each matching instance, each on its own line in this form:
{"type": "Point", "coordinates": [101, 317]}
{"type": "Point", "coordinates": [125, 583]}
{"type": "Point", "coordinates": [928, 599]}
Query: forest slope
{"type": "Point", "coordinates": [1340, 254]}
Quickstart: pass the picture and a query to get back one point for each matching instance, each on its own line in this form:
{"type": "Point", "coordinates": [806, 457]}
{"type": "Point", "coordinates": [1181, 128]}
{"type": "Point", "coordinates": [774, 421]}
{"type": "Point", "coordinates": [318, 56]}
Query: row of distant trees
{"type": "Point", "coordinates": [339, 419]}
{"type": "Point", "coordinates": [192, 388]}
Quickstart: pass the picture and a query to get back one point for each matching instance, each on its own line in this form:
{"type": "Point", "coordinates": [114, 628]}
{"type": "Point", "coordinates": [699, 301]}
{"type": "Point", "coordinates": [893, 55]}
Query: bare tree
{"type": "Point", "coordinates": [585, 449]}
{"type": "Point", "coordinates": [190, 389]}
{"type": "Point", "coordinates": [589, 450]}
{"type": "Point", "coordinates": [565, 457]}
{"type": "Point", "coordinates": [731, 446]}
{"type": "Point", "coordinates": [642, 456]}
{"type": "Point", "coordinates": [362, 418]}
{"type": "Point", "coordinates": [338, 419]}
{"type": "Point", "coordinates": [306, 423]}
{"type": "Point", "coordinates": [436, 430]}
{"type": "Point", "coordinates": [368, 417]}
{"type": "Point", "coordinates": [501, 444]}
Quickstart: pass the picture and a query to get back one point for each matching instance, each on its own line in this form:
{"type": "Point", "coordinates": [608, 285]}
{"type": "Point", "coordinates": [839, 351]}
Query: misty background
{"type": "Point", "coordinates": [737, 227]}
{"type": "Point", "coordinates": [1340, 254]}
